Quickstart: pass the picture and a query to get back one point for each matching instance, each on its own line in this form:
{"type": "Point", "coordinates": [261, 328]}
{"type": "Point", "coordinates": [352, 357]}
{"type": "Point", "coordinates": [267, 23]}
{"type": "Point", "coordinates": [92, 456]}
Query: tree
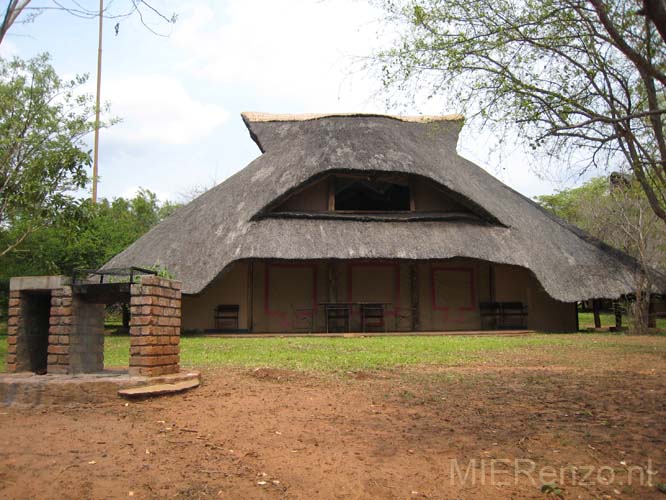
{"type": "Point", "coordinates": [88, 239]}
{"type": "Point", "coordinates": [615, 210]}
{"type": "Point", "coordinates": [42, 154]}
{"type": "Point", "coordinates": [581, 80]}
{"type": "Point", "coordinates": [16, 8]}
{"type": "Point", "coordinates": [577, 204]}
{"type": "Point", "coordinates": [655, 11]}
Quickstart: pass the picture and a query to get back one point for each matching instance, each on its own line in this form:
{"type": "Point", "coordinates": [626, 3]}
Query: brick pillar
{"type": "Point", "coordinates": [14, 323]}
{"type": "Point", "coordinates": [71, 338]}
{"type": "Point", "coordinates": [61, 327]}
{"type": "Point", "coordinates": [86, 342]}
{"type": "Point", "coordinates": [155, 327]}
{"type": "Point", "coordinates": [76, 334]}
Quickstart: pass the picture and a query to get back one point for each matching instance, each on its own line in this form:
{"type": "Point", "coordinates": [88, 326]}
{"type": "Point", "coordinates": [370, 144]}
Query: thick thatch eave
{"type": "Point", "coordinates": [221, 226]}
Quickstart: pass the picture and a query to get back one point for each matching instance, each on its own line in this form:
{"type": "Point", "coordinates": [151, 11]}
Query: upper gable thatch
{"type": "Point", "coordinates": [202, 238]}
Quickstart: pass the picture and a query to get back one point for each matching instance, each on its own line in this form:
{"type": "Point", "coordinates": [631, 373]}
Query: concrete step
{"type": "Point", "coordinates": [160, 389]}
{"type": "Point", "coordinates": [167, 379]}
{"type": "Point", "coordinates": [471, 333]}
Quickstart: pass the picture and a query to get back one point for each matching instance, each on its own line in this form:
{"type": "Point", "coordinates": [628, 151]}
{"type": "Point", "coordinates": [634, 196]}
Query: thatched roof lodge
{"type": "Point", "coordinates": [358, 209]}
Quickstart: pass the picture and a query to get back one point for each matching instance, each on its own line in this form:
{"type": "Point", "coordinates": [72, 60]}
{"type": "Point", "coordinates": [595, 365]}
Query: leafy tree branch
{"type": "Point", "coordinates": [43, 158]}
{"type": "Point", "coordinates": [573, 77]}
{"type": "Point", "coordinates": [23, 11]}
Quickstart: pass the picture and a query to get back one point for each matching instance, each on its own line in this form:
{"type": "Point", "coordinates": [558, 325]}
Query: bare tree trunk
{"type": "Point", "coordinates": [126, 316]}
{"type": "Point", "coordinates": [641, 311]}
{"type": "Point", "coordinates": [655, 11]}
{"type": "Point", "coordinates": [595, 310]}
{"type": "Point", "coordinates": [14, 9]}
{"type": "Point", "coordinates": [618, 314]}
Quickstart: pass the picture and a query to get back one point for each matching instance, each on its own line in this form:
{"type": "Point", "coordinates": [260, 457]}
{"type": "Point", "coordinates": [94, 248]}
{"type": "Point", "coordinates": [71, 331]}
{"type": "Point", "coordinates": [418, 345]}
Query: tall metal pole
{"type": "Point", "coordinates": [97, 102]}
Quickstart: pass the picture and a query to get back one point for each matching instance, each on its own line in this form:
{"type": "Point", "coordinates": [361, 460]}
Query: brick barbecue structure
{"type": "Point", "coordinates": [155, 327]}
{"type": "Point", "coordinates": [55, 326]}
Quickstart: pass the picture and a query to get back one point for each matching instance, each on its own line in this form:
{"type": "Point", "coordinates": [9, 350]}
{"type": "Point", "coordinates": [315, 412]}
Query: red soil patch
{"type": "Point", "coordinates": [279, 434]}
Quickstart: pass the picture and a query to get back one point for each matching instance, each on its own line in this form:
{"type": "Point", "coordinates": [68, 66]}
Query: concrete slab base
{"type": "Point", "coordinates": [471, 333]}
{"type": "Point", "coordinates": [28, 389]}
{"type": "Point", "coordinates": [168, 387]}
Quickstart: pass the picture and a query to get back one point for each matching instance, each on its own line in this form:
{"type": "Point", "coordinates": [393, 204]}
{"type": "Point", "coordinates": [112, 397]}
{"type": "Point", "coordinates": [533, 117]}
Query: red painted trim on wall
{"type": "Point", "coordinates": [446, 309]}
{"type": "Point", "coordinates": [396, 289]}
{"type": "Point", "coordinates": [286, 315]}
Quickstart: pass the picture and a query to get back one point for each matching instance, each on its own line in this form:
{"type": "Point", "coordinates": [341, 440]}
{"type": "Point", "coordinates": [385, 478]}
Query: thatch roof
{"type": "Point", "coordinates": [224, 224]}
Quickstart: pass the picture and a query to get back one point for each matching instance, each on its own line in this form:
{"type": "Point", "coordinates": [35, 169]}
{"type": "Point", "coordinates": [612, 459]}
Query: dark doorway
{"type": "Point", "coordinates": [36, 313]}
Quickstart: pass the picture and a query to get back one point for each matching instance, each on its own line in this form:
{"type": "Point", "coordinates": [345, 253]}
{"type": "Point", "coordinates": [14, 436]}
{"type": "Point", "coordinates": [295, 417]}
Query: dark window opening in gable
{"type": "Point", "coordinates": [375, 196]}
{"type": "Point", "coordinates": [367, 194]}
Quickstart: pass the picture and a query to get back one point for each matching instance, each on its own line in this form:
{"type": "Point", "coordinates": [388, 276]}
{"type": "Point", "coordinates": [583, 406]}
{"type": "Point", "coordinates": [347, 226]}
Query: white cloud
{"type": "Point", "coordinates": [222, 57]}
{"type": "Point", "coordinates": [299, 50]}
{"type": "Point", "coordinates": [132, 191]}
{"type": "Point", "coordinates": [158, 109]}
{"type": "Point", "coordinates": [8, 49]}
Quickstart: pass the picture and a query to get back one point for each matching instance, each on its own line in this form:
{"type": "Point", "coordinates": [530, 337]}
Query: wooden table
{"type": "Point", "coordinates": [341, 312]}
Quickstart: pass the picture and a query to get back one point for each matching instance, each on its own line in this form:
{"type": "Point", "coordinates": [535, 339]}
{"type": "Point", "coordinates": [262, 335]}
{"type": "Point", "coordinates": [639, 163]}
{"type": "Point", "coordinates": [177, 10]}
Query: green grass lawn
{"type": "Point", "coordinates": [586, 320]}
{"type": "Point", "coordinates": [327, 354]}
{"type": "Point", "coordinates": [3, 352]}
{"type": "Point", "coordinates": [372, 353]}
{"type": "Point", "coordinates": [352, 354]}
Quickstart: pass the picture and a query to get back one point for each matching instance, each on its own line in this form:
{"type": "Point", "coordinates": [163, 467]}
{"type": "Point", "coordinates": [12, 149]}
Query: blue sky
{"type": "Point", "coordinates": [180, 96]}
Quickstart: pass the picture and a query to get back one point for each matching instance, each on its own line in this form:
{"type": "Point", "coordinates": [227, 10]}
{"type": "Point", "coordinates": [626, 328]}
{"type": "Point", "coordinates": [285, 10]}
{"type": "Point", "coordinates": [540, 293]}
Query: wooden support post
{"type": "Point", "coordinates": [414, 303]}
{"type": "Point", "coordinates": [331, 194]}
{"type": "Point", "coordinates": [125, 308]}
{"type": "Point", "coordinates": [618, 314]}
{"type": "Point", "coordinates": [652, 321]}
{"type": "Point", "coordinates": [595, 310]}
{"type": "Point", "coordinates": [250, 293]}
{"type": "Point", "coordinates": [332, 295]}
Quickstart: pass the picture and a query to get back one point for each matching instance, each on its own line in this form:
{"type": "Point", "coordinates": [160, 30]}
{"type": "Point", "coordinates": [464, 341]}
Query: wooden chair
{"type": "Point", "coordinates": [303, 318]}
{"type": "Point", "coordinates": [504, 315]}
{"type": "Point", "coordinates": [372, 316]}
{"type": "Point", "coordinates": [226, 317]}
{"type": "Point", "coordinates": [513, 315]}
{"type": "Point", "coordinates": [489, 315]}
{"type": "Point", "coordinates": [337, 316]}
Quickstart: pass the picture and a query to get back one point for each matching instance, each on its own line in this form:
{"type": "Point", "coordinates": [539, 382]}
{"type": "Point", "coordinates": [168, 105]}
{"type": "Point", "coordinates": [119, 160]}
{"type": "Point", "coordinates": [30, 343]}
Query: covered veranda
{"type": "Point", "coordinates": [387, 296]}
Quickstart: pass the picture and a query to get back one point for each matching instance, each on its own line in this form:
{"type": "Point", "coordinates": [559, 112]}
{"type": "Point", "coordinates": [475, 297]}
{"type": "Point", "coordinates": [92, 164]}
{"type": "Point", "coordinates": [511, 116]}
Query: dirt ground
{"type": "Point", "coordinates": [471, 432]}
